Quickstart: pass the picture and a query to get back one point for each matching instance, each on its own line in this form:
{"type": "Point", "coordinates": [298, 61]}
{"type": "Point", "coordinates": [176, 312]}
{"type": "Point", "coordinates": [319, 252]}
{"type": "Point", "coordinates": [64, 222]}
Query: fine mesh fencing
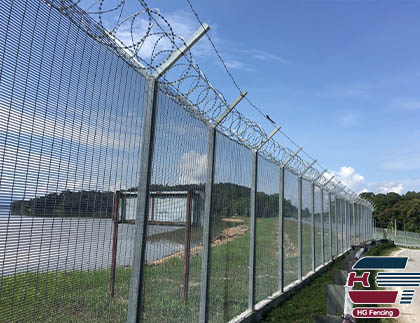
{"type": "Point", "coordinates": [333, 226]}
{"type": "Point", "coordinates": [228, 295]}
{"type": "Point", "coordinates": [306, 227]}
{"type": "Point", "coordinates": [319, 239]}
{"type": "Point", "coordinates": [290, 238]}
{"type": "Point", "coordinates": [267, 238]}
{"type": "Point", "coordinates": [128, 194]}
{"type": "Point", "coordinates": [403, 238]}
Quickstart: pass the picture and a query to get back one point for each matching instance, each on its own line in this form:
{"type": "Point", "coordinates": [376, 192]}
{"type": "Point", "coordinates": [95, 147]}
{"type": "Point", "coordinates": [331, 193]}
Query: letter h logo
{"type": "Point", "coordinates": [364, 279]}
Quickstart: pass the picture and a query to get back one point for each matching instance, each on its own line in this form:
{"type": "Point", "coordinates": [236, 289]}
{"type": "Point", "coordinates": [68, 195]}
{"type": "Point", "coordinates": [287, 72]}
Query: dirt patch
{"type": "Point", "coordinates": [290, 249]}
{"type": "Point", "coordinates": [233, 220]}
{"type": "Point", "coordinates": [230, 233]}
{"type": "Point", "coordinates": [225, 236]}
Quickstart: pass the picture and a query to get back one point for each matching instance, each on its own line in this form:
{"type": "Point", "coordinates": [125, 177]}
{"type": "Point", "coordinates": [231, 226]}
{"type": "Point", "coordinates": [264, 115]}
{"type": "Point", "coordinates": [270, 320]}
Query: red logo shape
{"type": "Point", "coordinates": [376, 312]}
{"type": "Point", "coordinates": [373, 296]}
{"type": "Point", "coordinates": [364, 279]}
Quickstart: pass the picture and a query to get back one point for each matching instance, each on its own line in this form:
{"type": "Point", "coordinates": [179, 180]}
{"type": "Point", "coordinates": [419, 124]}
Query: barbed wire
{"type": "Point", "coordinates": [146, 39]}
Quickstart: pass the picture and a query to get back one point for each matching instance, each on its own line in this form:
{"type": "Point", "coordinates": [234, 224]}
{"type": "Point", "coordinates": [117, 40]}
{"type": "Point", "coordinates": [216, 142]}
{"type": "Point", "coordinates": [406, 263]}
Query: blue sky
{"type": "Point", "coordinates": [340, 77]}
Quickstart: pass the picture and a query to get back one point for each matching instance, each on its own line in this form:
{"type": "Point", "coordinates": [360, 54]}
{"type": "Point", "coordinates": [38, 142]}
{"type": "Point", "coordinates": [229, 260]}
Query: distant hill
{"type": "Point", "coordinates": [228, 200]}
{"type": "Point", "coordinates": [404, 208]}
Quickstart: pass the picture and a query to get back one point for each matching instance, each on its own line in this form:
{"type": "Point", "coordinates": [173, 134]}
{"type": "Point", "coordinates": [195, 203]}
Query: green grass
{"type": "Point", "coordinates": [82, 296]}
{"type": "Point", "coordinates": [310, 300]}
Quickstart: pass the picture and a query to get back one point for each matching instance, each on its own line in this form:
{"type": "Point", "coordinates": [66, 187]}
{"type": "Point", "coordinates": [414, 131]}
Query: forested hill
{"type": "Point", "coordinates": [404, 208]}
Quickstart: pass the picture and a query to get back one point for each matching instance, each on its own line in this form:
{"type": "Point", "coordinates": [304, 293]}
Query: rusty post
{"type": "Point", "coordinates": [114, 242]}
{"type": "Point", "coordinates": [187, 247]}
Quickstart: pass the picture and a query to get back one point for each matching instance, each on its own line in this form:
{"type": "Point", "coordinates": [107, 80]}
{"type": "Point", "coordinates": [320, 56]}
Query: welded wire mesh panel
{"type": "Point", "coordinates": [353, 224]}
{"type": "Point", "coordinates": [70, 125]}
{"type": "Point", "coordinates": [358, 226]}
{"type": "Point", "coordinates": [411, 238]}
{"type": "Point", "coordinates": [400, 237]}
{"type": "Point", "coordinates": [306, 227]}
{"type": "Point", "coordinates": [228, 295]}
{"type": "Point", "coordinates": [339, 220]}
{"type": "Point", "coordinates": [379, 233]}
{"type": "Point", "coordinates": [290, 238]}
{"type": "Point", "coordinates": [327, 226]}
{"type": "Point", "coordinates": [173, 251]}
{"type": "Point", "coordinates": [318, 226]}
{"type": "Point", "coordinates": [416, 239]}
{"type": "Point", "coordinates": [334, 235]}
{"type": "Point", "coordinates": [350, 222]}
{"type": "Point", "coordinates": [346, 225]}
{"type": "Point", "coordinates": [267, 238]}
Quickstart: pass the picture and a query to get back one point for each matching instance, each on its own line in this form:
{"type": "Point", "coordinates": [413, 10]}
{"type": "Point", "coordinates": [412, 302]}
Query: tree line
{"type": "Point", "coordinates": [228, 200]}
{"type": "Point", "coordinates": [405, 209]}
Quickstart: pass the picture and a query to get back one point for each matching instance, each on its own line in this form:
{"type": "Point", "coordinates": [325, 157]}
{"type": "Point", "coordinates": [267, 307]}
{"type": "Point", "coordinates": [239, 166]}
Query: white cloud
{"type": "Point", "coordinates": [391, 187]}
{"type": "Point", "coordinates": [235, 64]}
{"type": "Point", "coordinates": [357, 183]}
{"type": "Point", "coordinates": [118, 186]}
{"type": "Point", "coordinates": [348, 177]}
{"type": "Point", "coordinates": [192, 168]}
{"type": "Point", "coordinates": [181, 23]}
{"type": "Point", "coordinates": [264, 56]}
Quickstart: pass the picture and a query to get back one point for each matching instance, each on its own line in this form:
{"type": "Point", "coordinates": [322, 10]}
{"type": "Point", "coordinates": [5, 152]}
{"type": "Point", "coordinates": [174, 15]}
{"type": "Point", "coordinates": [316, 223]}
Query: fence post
{"type": "Point", "coordinates": [313, 225]}
{"type": "Point", "coordinates": [281, 230]}
{"type": "Point", "coordinates": [343, 218]}
{"type": "Point", "coordinates": [359, 218]}
{"type": "Point", "coordinates": [361, 223]}
{"type": "Point", "coordinates": [336, 224]}
{"type": "Point", "coordinates": [135, 304]}
{"type": "Point", "coordinates": [322, 227]}
{"type": "Point", "coordinates": [208, 198]}
{"type": "Point", "coordinates": [364, 223]}
{"type": "Point", "coordinates": [348, 224]}
{"type": "Point", "coordinates": [300, 228]}
{"type": "Point", "coordinates": [354, 224]}
{"type": "Point", "coordinates": [345, 224]}
{"type": "Point", "coordinates": [330, 221]}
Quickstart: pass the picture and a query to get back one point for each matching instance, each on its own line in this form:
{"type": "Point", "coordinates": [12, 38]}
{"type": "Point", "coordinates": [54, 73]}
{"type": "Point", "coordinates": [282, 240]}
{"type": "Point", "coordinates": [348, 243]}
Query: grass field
{"type": "Point", "coordinates": [308, 301]}
{"type": "Point", "coordinates": [82, 296]}
{"type": "Point", "coordinates": [312, 299]}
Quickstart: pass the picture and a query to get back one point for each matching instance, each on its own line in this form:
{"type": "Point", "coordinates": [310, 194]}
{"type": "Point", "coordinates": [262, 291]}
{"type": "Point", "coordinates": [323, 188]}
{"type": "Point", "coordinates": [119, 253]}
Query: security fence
{"type": "Point", "coordinates": [131, 190]}
{"type": "Point", "coordinates": [402, 238]}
